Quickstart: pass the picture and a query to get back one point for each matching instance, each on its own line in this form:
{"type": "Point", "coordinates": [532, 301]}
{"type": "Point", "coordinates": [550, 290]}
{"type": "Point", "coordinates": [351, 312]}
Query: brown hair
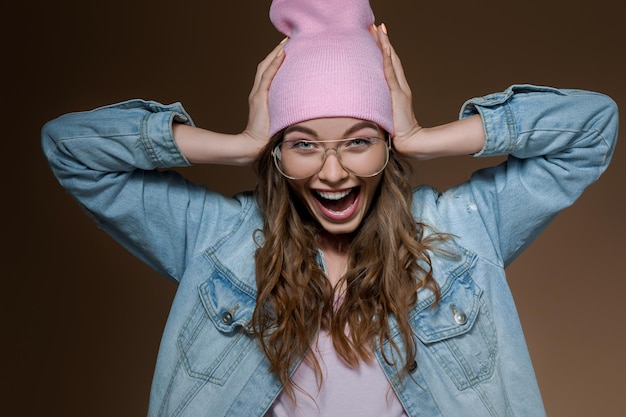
{"type": "Point", "coordinates": [388, 263]}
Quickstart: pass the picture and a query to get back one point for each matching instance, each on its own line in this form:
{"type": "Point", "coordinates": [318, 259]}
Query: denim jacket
{"type": "Point", "coordinates": [471, 358]}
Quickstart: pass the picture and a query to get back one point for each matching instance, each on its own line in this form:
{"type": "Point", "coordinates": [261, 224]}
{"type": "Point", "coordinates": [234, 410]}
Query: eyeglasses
{"type": "Point", "coordinates": [302, 158]}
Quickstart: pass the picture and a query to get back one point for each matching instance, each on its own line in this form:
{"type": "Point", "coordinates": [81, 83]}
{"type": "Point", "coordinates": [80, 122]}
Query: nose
{"type": "Point", "coordinates": [332, 171]}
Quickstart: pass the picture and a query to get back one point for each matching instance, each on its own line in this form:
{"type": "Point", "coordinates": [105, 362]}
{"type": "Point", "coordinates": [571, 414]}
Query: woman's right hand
{"type": "Point", "coordinates": [201, 146]}
{"type": "Point", "coordinates": [257, 130]}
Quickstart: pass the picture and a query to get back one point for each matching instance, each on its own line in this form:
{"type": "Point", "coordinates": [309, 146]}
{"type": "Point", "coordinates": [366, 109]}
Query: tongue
{"type": "Point", "coordinates": [338, 205]}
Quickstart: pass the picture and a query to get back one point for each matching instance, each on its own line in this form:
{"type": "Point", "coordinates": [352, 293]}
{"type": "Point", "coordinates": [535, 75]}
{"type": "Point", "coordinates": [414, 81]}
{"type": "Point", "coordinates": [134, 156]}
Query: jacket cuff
{"type": "Point", "coordinates": [158, 139]}
{"type": "Point", "coordinates": [498, 122]}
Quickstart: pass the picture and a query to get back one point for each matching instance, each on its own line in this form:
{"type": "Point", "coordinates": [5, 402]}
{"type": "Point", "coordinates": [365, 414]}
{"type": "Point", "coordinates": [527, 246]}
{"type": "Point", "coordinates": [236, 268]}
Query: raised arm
{"type": "Point", "coordinates": [113, 161]}
{"type": "Point", "coordinates": [558, 142]}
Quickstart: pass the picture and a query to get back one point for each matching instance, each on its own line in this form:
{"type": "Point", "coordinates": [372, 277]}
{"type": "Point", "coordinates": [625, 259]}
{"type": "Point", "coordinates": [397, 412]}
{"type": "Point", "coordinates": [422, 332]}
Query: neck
{"type": "Point", "coordinates": [335, 249]}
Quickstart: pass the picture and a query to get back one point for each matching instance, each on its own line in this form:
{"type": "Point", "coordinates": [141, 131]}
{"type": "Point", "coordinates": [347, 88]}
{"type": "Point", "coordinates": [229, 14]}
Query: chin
{"type": "Point", "coordinates": [340, 229]}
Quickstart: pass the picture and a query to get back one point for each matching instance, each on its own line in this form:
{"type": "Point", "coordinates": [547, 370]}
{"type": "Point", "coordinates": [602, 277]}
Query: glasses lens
{"type": "Point", "coordinates": [362, 156]}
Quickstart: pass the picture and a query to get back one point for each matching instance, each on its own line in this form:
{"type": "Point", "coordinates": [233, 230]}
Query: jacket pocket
{"type": "Point", "coordinates": [213, 340]}
{"type": "Point", "coordinates": [460, 333]}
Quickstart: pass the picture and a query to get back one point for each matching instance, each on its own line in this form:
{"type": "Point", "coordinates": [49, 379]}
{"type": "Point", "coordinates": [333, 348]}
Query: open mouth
{"type": "Point", "coordinates": [337, 205]}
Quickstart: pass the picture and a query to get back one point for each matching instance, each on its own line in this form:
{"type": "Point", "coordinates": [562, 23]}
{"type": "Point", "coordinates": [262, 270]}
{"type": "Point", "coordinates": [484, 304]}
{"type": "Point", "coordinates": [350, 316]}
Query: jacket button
{"type": "Point", "coordinates": [460, 317]}
{"type": "Point", "coordinates": [413, 367]}
{"type": "Point", "coordinates": [227, 317]}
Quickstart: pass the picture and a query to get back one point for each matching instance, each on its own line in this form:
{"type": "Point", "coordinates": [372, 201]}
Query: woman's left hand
{"type": "Point", "coordinates": [460, 137]}
{"type": "Point", "coordinates": [404, 120]}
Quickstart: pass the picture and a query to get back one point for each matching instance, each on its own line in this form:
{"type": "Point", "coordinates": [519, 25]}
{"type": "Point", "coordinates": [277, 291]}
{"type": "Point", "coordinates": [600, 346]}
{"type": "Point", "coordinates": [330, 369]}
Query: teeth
{"type": "Point", "coordinates": [336, 195]}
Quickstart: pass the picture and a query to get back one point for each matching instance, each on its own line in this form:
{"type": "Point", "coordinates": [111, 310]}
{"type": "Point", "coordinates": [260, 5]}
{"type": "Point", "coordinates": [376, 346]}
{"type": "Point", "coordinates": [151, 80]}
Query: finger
{"type": "Point", "coordinates": [399, 70]}
{"type": "Point", "coordinates": [276, 54]}
{"type": "Point", "coordinates": [388, 65]}
{"type": "Point", "coordinates": [392, 59]}
{"type": "Point", "coordinates": [272, 68]}
{"type": "Point", "coordinates": [374, 32]}
{"type": "Point", "coordinates": [270, 57]}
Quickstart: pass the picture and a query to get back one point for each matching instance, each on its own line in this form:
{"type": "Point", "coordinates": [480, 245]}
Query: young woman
{"type": "Point", "coordinates": [335, 289]}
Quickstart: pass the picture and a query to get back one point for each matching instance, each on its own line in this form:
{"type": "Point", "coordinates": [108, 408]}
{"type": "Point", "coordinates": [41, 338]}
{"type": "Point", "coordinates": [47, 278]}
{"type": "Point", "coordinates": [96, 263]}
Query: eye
{"type": "Point", "coordinates": [301, 145]}
{"type": "Point", "coordinates": [360, 142]}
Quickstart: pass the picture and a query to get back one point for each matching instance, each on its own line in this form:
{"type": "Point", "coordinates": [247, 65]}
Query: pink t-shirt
{"type": "Point", "coordinates": [345, 391]}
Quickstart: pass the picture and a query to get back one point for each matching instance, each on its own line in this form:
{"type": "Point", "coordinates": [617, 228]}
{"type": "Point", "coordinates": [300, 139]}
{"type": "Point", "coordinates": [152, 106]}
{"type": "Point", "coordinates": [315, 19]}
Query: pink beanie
{"type": "Point", "coordinates": [332, 67]}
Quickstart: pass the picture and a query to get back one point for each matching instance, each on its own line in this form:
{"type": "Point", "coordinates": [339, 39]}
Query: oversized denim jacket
{"type": "Point", "coordinates": [472, 359]}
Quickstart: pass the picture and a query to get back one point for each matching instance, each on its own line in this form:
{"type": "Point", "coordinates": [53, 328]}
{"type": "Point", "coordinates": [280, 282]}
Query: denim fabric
{"type": "Point", "coordinates": [471, 359]}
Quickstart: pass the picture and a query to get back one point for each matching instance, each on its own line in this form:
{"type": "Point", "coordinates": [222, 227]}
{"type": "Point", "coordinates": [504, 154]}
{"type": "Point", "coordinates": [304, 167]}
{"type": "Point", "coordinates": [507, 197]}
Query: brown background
{"type": "Point", "coordinates": [82, 318]}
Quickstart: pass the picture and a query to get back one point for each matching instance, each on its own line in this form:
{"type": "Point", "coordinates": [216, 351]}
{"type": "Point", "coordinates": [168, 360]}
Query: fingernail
{"type": "Point", "coordinates": [284, 40]}
{"type": "Point", "coordinates": [374, 27]}
{"type": "Point", "coordinates": [383, 28]}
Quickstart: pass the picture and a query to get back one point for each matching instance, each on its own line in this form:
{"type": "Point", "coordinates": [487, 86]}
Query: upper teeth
{"type": "Point", "coordinates": [333, 195]}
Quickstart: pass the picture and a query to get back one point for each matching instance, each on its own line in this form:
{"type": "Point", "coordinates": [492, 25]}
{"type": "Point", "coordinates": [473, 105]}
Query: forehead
{"type": "Point", "coordinates": [334, 127]}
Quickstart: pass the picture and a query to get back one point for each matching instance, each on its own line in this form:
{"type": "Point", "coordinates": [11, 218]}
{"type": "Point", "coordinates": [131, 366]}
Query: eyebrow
{"type": "Point", "coordinates": [360, 125]}
{"type": "Point", "coordinates": [302, 129]}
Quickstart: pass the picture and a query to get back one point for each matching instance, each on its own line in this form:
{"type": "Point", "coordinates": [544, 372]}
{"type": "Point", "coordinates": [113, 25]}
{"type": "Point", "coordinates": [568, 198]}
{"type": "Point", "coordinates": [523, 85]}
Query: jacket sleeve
{"type": "Point", "coordinates": [113, 161]}
{"type": "Point", "coordinates": [558, 142]}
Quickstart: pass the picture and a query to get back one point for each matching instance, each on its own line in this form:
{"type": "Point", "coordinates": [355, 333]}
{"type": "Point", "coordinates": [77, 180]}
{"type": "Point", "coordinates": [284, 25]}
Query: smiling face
{"type": "Point", "coordinates": [335, 197]}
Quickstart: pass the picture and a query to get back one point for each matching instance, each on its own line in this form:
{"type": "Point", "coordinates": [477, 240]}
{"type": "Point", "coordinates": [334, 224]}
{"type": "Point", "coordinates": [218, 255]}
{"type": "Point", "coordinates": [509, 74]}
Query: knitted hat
{"type": "Point", "coordinates": [333, 67]}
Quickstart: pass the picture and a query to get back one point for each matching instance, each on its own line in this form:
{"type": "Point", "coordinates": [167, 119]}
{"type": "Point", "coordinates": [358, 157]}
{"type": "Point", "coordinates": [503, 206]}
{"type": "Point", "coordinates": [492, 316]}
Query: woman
{"type": "Point", "coordinates": [335, 289]}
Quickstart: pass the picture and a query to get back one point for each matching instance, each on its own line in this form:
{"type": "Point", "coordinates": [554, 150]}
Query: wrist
{"type": "Point", "coordinates": [461, 137]}
{"type": "Point", "coordinates": [414, 144]}
{"type": "Point", "coordinates": [248, 147]}
{"type": "Point", "coordinates": [202, 146]}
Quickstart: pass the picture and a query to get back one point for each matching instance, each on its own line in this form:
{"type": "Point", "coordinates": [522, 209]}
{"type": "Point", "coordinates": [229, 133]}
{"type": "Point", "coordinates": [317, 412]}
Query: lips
{"type": "Point", "coordinates": [337, 205]}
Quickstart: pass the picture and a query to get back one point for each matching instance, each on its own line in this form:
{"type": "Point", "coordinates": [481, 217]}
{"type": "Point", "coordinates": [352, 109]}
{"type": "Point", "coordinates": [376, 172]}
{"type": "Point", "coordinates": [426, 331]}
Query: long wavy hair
{"type": "Point", "coordinates": [388, 262]}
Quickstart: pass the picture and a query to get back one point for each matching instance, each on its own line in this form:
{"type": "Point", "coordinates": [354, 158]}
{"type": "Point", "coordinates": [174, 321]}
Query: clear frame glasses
{"type": "Point", "coordinates": [298, 159]}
